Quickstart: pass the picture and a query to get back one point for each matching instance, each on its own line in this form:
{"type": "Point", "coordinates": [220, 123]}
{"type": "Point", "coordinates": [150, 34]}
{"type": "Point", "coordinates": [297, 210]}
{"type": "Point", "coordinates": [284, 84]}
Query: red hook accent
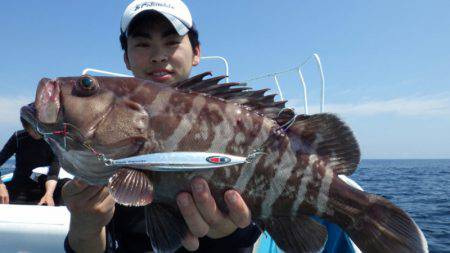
{"type": "Point", "coordinates": [63, 132]}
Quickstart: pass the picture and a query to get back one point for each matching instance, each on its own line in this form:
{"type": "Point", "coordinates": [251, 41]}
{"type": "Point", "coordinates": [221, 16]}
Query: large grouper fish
{"type": "Point", "coordinates": [291, 176]}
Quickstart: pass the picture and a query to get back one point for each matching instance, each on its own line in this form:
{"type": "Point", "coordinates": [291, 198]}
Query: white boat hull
{"type": "Point", "coordinates": [31, 228]}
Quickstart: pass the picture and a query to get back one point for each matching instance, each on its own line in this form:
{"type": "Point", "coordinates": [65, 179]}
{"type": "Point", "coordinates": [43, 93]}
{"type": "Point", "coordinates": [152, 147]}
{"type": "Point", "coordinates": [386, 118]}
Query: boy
{"type": "Point", "coordinates": [160, 44]}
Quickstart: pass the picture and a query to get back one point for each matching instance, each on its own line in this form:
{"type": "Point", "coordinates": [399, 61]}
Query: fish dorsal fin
{"type": "Point", "coordinates": [235, 92]}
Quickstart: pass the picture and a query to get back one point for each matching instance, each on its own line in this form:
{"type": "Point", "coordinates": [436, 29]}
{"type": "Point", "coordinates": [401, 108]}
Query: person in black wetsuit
{"type": "Point", "coordinates": [31, 152]}
{"type": "Point", "coordinates": [163, 48]}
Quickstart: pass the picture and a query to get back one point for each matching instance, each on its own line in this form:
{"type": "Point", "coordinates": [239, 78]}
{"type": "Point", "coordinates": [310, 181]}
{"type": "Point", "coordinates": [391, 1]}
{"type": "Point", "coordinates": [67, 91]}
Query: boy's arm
{"type": "Point", "coordinates": [47, 199]}
{"type": "Point", "coordinates": [54, 168]}
{"type": "Point", "coordinates": [91, 208]}
{"type": "Point", "coordinates": [50, 184]}
{"type": "Point", "coordinates": [8, 150]}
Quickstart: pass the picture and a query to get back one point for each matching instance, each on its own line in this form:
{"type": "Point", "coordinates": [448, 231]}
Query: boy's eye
{"type": "Point", "coordinates": [173, 42]}
{"type": "Point", "coordinates": [142, 44]}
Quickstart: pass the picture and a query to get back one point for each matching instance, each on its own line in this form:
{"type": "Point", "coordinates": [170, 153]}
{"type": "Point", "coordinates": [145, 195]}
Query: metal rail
{"type": "Point", "coordinates": [298, 68]}
{"type": "Point", "coordinates": [274, 75]}
{"type": "Point", "coordinates": [227, 73]}
{"type": "Point", "coordinates": [91, 70]}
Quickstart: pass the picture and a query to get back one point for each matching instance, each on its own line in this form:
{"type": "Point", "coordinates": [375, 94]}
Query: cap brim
{"type": "Point", "coordinates": [179, 26]}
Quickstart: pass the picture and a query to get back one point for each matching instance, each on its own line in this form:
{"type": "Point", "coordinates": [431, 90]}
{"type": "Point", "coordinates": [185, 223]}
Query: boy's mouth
{"type": "Point", "coordinates": [160, 75]}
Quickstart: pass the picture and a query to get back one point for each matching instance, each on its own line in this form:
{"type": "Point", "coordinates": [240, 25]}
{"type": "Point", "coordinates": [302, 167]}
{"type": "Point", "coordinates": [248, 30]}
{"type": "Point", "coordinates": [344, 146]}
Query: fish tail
{"type": "Point", "coordinates": [372, 222]}
{"type": "Point", "coordinates": [325, 147]}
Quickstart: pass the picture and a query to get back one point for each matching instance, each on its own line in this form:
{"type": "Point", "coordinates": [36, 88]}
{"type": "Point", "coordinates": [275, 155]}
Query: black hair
{"type": "Point", "coordinates": [192, 33]}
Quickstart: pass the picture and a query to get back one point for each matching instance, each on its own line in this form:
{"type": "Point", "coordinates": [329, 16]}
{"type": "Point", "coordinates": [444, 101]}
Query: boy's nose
{"type": "Point", "coordinates": [159, 58]}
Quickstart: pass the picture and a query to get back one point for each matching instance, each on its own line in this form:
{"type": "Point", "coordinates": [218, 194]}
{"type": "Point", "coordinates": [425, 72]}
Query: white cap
{"type": "Point", "coordinates": [174, 10]}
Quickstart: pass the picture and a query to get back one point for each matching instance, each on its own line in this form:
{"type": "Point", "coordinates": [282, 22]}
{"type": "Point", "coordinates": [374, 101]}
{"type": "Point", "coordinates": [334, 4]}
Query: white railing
{"type": "Point", "coordinates": [227, 69]}
{"type": "Point", "coordinates": [298, 68]}
{"type": "Point", "coordinates": [99, 71]}
{"type": "Point", "coordinates": [91, 70]}
{"type": "Point", "coordinates": [274, 75]}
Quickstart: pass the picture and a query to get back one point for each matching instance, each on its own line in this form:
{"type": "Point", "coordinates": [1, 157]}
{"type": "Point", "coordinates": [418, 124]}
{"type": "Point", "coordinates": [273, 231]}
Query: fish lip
{"type": "Point", "coordinates": [48, 101]}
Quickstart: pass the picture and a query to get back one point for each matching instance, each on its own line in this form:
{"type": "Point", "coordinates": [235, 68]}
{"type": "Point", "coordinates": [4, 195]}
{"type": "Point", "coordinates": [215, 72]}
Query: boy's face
{"type": "Point", "coordinates": [156, 52]}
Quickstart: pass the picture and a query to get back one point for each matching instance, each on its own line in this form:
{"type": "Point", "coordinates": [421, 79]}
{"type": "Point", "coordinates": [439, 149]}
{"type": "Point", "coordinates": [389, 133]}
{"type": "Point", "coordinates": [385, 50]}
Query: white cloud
{"type": "Point", "coordinates": [407, 106]}
{"type": "Point", "coordinates": [10, 109]}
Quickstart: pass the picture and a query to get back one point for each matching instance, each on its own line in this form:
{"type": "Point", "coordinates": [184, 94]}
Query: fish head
{"type": "Point", "coordinates": [92, 116]}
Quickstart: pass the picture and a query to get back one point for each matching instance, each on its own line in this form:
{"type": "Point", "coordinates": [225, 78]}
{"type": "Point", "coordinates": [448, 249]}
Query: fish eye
{"type": "Point", "coordinates": [86, 85]}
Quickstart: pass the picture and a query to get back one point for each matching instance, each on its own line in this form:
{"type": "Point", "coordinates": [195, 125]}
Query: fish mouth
{"type": "Point", "coordinates": [44, 113]}
{"type": "Point", "coordinates": [119, 149]}
{"type": "Point", "coordinates": [47, 101]}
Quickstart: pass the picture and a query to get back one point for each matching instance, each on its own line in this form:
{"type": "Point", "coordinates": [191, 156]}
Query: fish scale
{"type": "Point", "coordinates": [294, 176]}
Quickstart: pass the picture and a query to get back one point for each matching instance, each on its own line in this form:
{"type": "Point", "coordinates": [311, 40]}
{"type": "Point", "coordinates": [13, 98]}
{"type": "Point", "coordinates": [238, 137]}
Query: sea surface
{"type": "Point", "coordinates": [420, 187]}
{"type": "Point", "coordinates": [8, 166]}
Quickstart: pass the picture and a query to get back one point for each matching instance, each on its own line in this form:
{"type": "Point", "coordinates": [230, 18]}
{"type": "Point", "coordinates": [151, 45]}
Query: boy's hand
{"type": "Point", "coordinates": [4, 195]}
{"type": "Point", "coordinates": [47, 200]}
{"type": "Point", "coordinates": [89, 205]}
{"type": "Point", "coordinates": [203, 216]}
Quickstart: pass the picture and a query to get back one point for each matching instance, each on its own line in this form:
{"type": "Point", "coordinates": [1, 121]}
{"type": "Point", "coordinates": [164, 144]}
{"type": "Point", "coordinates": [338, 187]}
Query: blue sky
{"type": "Point", "coordinates": [386, 63]}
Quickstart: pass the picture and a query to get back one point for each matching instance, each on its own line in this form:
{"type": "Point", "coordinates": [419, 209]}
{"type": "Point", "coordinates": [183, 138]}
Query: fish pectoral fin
{"type": "Point", "coordinates": [165, 227]}
{"type": "Point", "coordinates": [131, 187]}
{"type": "Point", "coordinates": [296, 234]}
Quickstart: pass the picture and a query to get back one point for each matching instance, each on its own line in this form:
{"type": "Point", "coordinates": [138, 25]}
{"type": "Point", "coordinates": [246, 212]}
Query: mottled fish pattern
{"type": "Point", "coordinates": [294, 178]}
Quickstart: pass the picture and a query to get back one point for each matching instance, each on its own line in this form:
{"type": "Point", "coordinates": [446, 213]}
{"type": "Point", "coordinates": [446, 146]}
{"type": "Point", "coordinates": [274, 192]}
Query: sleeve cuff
{"type": "Point", "coordinates": [241, 238]}
{"type": "Point", "coordinates": [67, 247]}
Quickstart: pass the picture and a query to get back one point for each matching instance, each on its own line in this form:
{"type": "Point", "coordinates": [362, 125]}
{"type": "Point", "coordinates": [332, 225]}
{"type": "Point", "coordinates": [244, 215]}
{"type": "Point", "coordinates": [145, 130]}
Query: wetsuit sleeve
{"type": "Point", "coordinates": [67, 247]}
{"type": "Point", "coordinates": [241, 241]}
{"type": "Point", "coordinates": [8, 150]}
{"type": "Point", "coordinates": [53, 170]}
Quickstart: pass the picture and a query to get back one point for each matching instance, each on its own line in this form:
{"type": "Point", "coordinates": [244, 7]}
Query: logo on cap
{"type": "Point", "coordinates": [218, 159]}
{"type": "Point", "coordinates": [152, 4]}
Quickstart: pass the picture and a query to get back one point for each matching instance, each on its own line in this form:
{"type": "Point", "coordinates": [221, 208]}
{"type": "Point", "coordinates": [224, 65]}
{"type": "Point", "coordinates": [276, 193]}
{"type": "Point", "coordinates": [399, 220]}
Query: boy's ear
{"type": "Point", "coordinates": [196, 59]}
{"type": "Point", "coordinates": [125, 59]}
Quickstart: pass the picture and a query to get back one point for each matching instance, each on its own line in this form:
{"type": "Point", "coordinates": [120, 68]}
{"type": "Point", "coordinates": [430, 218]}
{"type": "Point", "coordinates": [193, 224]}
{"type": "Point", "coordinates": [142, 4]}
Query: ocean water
{"type": "Point", "coordinates": [420, 187]}
{"type": "Point", "coordinates": [8, 166]}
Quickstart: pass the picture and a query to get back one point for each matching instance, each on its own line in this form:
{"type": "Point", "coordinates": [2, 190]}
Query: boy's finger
{"type": "Point", "coordinates": [205, 202]}
{"type": "Point", "coordinates": [190, 242]}
{"type": "Point", "coordinates": [191, 215]}
{"type": "Point", "coordinates": [239, 212]}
